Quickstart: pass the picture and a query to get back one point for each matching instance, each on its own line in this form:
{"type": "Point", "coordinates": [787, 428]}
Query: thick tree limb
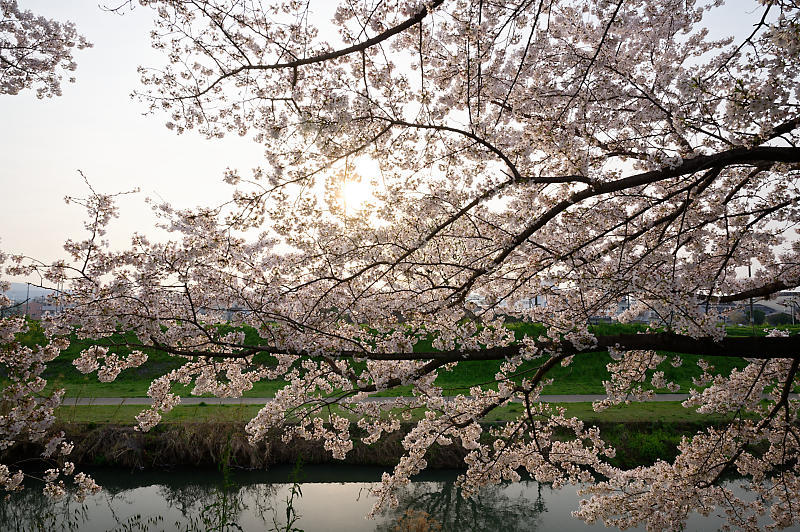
{"type": "Point", "coordinates": [763, 348]}
{"type": "Point", "coordinates": [759, 291]}
{"type": "Point", "coordinates": [748, 347]}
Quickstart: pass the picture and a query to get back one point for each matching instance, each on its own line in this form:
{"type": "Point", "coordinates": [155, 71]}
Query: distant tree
{"type": "Point", "coordinates": [779, 318]}
{"type": "Point", "coordinates": [35, 51]}
{"type": "Point", "coordinates": [582, 152]}
{"type": "Point", "coordinates": [759, 316]}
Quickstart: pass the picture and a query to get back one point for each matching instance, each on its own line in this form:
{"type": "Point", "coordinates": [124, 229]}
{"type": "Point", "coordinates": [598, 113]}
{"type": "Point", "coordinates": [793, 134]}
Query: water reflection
{"type": "Point", "coordinates": [30, 510]}
{"type": "Point", "coordinates": [330, 499]}
{"type": "Point", "coordinates": [440, 504]}
{"type": "Point", "coordinates": [208, 507]}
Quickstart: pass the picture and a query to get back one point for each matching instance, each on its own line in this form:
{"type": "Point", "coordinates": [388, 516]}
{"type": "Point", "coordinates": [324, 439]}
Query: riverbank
{"type": "Point", "coordinates": [211, 443]}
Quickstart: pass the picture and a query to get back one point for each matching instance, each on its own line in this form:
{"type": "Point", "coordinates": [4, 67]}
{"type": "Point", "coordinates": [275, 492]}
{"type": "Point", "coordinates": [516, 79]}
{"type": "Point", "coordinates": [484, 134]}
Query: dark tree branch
{"type": "Point", "coordinates": [321, 58]}
{"type": "Point", "coordinates": [762, 348]}
{"type": "Point", "coordinates": [760, 291]}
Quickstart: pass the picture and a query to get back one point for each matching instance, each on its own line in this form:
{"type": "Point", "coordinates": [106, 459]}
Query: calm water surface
{"type": "Point", "coordinates": [327, 498]}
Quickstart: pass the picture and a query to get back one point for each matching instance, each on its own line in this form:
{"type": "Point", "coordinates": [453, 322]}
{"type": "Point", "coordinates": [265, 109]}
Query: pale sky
{"type": "Point", "coordinates": [96, 127]}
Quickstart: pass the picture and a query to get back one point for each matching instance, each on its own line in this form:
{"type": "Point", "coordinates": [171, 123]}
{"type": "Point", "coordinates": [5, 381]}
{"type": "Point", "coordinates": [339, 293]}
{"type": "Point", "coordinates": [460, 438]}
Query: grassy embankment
{"type": "Point", "coordinates": [667, 412]}
{"type": "Point", "coordinates": [642, 433]}
{"type": "Point", "coordinates": [583, 376]}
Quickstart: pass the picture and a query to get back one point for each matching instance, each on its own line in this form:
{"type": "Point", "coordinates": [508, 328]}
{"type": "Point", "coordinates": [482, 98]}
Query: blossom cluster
{"type": "Point", "coordinates": [28, 412]}
{"type": "Point", "coordinates": [34, 51]}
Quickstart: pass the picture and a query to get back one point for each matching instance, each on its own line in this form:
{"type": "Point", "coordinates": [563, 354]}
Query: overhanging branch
{"type": "Point", "coordinates": [759, 291]}
{"type": "Point", "coordinates": [763, 348]}
{"type": "Point", "coordinates": [747, 347]}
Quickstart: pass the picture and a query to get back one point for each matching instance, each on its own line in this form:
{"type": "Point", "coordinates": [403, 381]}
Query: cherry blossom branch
{"type": "Point", "coordinates": [761, 348]}
{"type": "Point", "coordinates": [324, 57]}
{"type": "Point", "coordinates": [687, 166]}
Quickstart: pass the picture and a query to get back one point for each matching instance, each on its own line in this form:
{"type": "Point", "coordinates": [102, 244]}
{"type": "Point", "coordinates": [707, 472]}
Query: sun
{"type": "Point", "coordinates": [355, 195]}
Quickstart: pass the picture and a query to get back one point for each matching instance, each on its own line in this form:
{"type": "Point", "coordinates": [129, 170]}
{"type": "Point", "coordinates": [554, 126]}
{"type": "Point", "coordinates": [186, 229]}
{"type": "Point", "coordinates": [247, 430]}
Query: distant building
{"type": "Point", "coordinates": [34, 309]}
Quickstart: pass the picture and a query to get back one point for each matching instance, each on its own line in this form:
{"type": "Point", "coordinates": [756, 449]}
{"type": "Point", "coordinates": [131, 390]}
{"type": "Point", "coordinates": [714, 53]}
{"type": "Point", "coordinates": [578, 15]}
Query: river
{"type": "Point", "coordinates": [326, 498]}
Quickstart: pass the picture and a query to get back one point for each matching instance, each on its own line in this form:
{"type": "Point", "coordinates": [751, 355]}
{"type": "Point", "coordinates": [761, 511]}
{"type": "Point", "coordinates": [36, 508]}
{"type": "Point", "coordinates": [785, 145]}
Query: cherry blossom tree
{"type": "Point", "coordinates": [583, 153]}
{"type": "Point", "coordinates": [35, 51]}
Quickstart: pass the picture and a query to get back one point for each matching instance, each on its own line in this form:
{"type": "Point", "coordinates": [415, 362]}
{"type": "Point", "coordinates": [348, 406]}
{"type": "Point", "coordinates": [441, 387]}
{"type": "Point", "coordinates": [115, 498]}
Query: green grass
{"type": "Point", "coordinates": [125, 414]}
{"type": "Point", "coordinates": [665, 412]}
{"type": "Point", "coordinates": [583, 376]}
